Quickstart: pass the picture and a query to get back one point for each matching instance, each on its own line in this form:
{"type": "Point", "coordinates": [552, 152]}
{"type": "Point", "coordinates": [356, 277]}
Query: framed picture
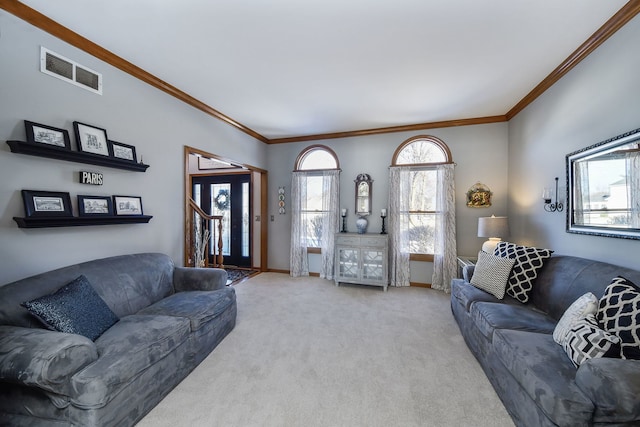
{"type": "Point", "coordinates": [95, 206]}
{"type": "Point", "coordinates": [46, 203]}
{"type": "Point", "coordinates": [123, 151]}
{"type": "Point", "coordinates": [43, 134]}
{"type": "Point", "coordinates": [91, 139]}
{"type": "Point", "coordinates": [127, 205]}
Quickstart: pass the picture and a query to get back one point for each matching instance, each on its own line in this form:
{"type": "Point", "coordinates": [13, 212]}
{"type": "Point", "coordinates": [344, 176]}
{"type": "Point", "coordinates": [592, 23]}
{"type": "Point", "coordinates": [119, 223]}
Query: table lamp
{"type": "Point", "coordinates": [493, 227]}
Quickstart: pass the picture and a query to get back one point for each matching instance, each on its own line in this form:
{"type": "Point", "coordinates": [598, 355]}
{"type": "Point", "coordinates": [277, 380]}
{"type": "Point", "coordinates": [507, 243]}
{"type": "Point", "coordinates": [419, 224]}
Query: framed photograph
{"type": "Point", "coordinates": [46, 203]}
{"type": "Point", "coordinates": [91, 139]}
{"type": "Point", "coordinates": [123, 151]}
{"type": "Point", "coordinates": [43, 134]}
{"type": "Point", "coordinates": [95, 206]}
{"type": "Point", "coordinates": [127, 205]}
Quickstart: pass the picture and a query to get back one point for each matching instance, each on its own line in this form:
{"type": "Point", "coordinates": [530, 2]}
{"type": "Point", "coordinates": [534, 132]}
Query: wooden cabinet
{"type": "Point", "coordinates": [361, 259]}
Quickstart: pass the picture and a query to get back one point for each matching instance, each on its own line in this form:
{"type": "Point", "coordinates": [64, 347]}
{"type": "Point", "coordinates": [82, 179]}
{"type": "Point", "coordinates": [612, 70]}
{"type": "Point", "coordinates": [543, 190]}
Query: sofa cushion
{"type": "Point", "coordinates": [586, 304]}
{"type": "Point", "coordinates": [490, 316]}
{"type": "Point", "coordinates": [528, 261]}
{"type": "Point", "coordinates": [126, 350]}
{"type": "Point", "coordinates": [75, 308]}
{"type": "Point", "coordinates": [491, 273]}
{"type": "Point", "coordinates": [619, 313]}
{"type": "Point", "coordinates": [542, 369]}
{"type": "Point", "coordinates": [466, 294]}
{"type": "Point", "coordinates": [585, 340]}
{"type": "Point", "coordinates": [199, 307]}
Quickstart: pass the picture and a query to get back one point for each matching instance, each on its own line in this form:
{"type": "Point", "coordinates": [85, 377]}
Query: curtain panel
{"type": "Point", "coordinates": [298, 260]}
{"type": "Point", "coordinates": [399, 196]}
{"type": "Point", "coordinates": [445, 251]}
{"type": "Point", "coordinates": [330, 220]}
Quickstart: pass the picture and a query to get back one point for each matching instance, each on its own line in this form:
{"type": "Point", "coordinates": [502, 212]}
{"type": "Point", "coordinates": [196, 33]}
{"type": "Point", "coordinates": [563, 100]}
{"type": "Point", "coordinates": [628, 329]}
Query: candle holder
{"type": "Point", "coordinates": [344, 223]}
{"type": "Point", "coordinates": [384, 231]}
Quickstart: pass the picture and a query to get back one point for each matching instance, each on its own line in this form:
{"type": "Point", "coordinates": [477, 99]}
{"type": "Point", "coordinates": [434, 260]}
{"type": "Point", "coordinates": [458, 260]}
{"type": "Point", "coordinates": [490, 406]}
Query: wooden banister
{"type": "Point", "coordinates": [205, 220]}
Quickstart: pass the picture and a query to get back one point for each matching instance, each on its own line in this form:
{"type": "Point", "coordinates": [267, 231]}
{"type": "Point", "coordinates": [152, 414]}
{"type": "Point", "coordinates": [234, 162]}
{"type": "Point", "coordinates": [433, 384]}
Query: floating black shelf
{"type": "Point", "coordinates": [52, 152]}
{"type": "Point", "coordinates": [44, 222]}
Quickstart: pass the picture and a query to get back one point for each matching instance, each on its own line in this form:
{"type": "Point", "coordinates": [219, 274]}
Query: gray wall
{"type": "Point", "coordinates": [132, 112]}
{"type": "Point", "coordinates": [597, 100]}
{"type": "Point", "coordinates": [480, 153]}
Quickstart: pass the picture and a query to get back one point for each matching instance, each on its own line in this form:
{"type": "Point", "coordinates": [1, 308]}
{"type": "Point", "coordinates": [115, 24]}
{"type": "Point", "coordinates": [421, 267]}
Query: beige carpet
{"type": "Point", "coordinates": [307, 353]}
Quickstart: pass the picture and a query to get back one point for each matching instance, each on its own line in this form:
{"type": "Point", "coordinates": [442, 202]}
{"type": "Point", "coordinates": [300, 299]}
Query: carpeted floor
{"type": "Point", "coordinates": [307, 353]}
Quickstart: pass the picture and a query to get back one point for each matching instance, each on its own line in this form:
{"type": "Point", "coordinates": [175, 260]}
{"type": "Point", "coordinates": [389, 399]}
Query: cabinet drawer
{"type": "Point", "coordinates": [373, 241]}
{"type": "Point", "coordinates": [348, 240]}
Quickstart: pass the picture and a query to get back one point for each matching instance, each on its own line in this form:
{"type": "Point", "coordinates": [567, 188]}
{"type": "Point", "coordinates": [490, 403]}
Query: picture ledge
{"type": "Point", "coordinates": [42, 150]}
{"type": "Point", "coordinates": [45, 222]}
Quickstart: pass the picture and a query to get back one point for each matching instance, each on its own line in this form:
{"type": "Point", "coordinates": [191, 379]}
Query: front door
{"type": "Point", "coordinates": [229, 196]}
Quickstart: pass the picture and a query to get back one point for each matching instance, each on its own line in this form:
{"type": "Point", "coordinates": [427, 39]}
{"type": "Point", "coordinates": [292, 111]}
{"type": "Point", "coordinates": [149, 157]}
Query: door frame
{"type": "Point", "coordinates": [261, 210]}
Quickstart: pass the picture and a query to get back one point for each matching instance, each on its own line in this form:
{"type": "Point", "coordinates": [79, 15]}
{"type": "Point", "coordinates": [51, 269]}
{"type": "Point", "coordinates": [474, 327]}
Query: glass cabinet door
{"type": "Point", "coordinates": [348, 263]}
{"type": "Point", "coordinates": [372, 263]}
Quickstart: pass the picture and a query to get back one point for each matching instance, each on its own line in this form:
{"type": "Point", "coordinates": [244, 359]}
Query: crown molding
{"type": "Point", "coordinates": [37, 19]}
{"type": "Point", "coordinates": [52, 27]}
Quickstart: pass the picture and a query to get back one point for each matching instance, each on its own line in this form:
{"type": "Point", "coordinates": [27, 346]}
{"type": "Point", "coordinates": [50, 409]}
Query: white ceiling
{"type": "Point", "coordinates": [300, 67]}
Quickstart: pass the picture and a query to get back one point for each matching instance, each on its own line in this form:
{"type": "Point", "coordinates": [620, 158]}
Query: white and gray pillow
{"type": "Point", "coordinates": [585, 340]}
{"type": "Point", "coordinates": [586, 304]}
{"type": "Point", "coordinates": [491, 273]}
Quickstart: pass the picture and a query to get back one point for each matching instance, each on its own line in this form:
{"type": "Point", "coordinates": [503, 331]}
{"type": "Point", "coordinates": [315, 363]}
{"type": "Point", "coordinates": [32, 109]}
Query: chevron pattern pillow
{"type": "Point", "coordinates": [491, 273]}
{"type": "Point", "coordinates": [619, 313]}
{"type": "Point", "coordinates": [585, 340]}
{"type": "Point", "coordinates": [528, 261]}
{"type": "Point", "coordinates": [586, 304]}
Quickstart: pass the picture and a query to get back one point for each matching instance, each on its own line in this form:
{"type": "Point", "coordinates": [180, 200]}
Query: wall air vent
{"type": "Point", "coordinates": [65, 69]}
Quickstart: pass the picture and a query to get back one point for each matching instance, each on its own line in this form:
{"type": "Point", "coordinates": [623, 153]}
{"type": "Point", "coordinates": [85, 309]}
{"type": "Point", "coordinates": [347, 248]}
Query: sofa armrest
{"type": "Point", "coordinates": [467, 272]}
{"type": "Point", "coordinates": [613, 385]}
{"type": "Point", "coordinates": [199, 279]}
{"type": "Point", "coordinates": [42, 358]}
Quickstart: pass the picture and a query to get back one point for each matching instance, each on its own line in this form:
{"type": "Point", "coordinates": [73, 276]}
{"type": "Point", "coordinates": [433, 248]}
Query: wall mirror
{"type": "Point", "coordinates": [364, 188]}
{"type": "Point", "coordinates": [603, 188]}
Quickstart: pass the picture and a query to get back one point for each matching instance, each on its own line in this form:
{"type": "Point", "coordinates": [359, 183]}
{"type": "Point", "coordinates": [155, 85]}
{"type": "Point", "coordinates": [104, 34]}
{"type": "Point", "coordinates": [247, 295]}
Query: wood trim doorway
{"type": "Point", "coordinates": [259, 180]}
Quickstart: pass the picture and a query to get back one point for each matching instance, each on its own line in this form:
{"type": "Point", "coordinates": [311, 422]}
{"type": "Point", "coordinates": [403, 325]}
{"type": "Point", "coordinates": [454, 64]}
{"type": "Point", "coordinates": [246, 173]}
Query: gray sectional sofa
{"type": "Point", "coordinates": [170, 319]}
{"type": "Point", "coordinates": [531, 373]}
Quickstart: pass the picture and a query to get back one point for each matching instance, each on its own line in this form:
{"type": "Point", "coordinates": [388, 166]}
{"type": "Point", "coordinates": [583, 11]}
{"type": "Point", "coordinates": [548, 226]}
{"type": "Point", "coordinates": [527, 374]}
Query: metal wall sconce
{"type": "Point", "coordinates": [549, 204]}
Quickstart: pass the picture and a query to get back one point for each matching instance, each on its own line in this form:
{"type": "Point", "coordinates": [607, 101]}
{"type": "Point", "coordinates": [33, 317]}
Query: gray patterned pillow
{"type": "Point", "coordinates": [585, 340]}
{"type": "Point", "coordinates": [491, 273]}
{"type": "Point", "coordinates": [529, 261]}
{"type": "Point", "coordinates": [75, 308]}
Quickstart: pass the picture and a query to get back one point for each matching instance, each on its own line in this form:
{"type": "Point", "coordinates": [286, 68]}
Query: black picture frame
{"type": "Point", "coordinates": [127, 205]}
{"type": "Point", "coordinates": [92, 139]}
{"type": "Point", "coordinates": [95, 205]}
{"type": "Point", "coordinates": [46, 204]}
{"type": "Point", "coordinates": [123, 151]}
{"type": "Point", "coordinates": [43, 134]}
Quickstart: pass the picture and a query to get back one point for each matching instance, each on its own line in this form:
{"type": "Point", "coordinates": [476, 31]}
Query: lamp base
{"type": "Point", "coordinates": [490, 245]}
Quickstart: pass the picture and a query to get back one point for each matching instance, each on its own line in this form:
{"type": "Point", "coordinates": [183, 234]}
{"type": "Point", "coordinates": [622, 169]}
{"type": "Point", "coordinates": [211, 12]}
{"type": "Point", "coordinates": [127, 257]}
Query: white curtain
{"type": "Point", "coordinates": [444, 256]}
{"type": "Point", "coordinates": [581, 199]}
{"type": "Point", "coordinates": [399, 195]}
{"type": "Point", "coordinates": [633, 187]}
{"type": "Point", "coordinates": [299, 262]}
{"type": "Point", "coordinates": [330, 220]}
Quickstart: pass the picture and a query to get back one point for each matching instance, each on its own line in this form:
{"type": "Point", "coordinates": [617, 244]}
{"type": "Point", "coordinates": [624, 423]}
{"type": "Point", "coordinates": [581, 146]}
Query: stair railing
{"type": "Point", "coordinates": [200, 233]}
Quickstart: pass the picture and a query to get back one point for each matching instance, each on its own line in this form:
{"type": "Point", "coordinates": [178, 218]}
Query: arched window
{"type": "Point", "coordinates": [418, 158]}
{"type": "Point", "coordinates": [314, 208]}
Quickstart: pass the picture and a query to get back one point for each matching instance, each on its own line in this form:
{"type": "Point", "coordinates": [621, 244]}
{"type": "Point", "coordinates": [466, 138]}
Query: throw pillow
{"type": "Point", "coordinates": [75, 308]}
{"type": "Point", "coordinates": [528, 261]}
{"type": "Point", "coordinates": [585, 340]}
{"type": "Point", "coordinates": [619, 313]}
{"type": "Point", "coordinates": [491, 273]}
{"type": "Point", "coordinates": [586, 304]}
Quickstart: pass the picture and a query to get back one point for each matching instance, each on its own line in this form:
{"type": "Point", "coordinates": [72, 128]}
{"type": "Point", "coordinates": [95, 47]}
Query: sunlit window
{"type": "Point", "coordinates": [421, 154]}
{"type": "Point", "coordinates": [314, 159]}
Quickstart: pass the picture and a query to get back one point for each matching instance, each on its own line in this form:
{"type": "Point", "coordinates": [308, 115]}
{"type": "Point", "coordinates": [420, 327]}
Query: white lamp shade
{"type": "Point", "coordinates": [493, 227]}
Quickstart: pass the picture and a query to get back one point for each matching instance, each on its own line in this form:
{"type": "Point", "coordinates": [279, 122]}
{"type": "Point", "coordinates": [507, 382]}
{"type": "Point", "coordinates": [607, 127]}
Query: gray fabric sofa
{"type": "Point", "coordinates": [171, 318]}
{"type": "Point", "coordinates": [531, 373]}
